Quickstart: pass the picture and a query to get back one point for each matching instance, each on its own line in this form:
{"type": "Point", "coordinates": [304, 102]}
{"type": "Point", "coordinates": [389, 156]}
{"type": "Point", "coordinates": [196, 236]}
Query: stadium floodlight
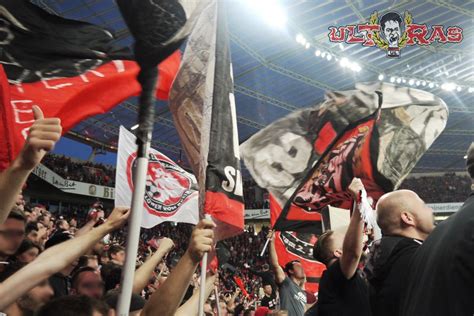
{"type": "Point", "coordinates": [381, 76]}
{"type": "Point", "coordinates": [344, 62]}
{"type": "Point", "coordinates": [431, 85]}
{"type": "Point", "coordinates": [411, 82]}
{"type": "Point", "coordinates": [272, 13]}
{"type": "Point", "coordinates": [448, 86]}
{"type": "Point", "coordinates": [329, 57]}
{"type": "Point", "coordinates": [356, 67]}
{"type": "Point", "coordinates": [317, 53]}
{"type": "Point", "coordinates": [399, 80]}
{"type": "Point", "coordinates": [392, 79]}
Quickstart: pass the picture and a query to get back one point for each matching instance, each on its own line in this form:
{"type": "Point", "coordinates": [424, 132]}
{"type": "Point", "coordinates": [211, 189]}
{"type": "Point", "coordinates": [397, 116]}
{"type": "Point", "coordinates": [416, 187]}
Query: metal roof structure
{"type": "Point", "coordinates": [275, 75]}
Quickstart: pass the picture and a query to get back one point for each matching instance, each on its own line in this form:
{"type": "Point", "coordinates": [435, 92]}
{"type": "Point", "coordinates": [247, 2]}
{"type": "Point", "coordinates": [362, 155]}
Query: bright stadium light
{"type": "Point", "coordinates": [356, 67]}
{"type": "Point", "coordinates": [134, 127]}
{"type": "Point", "coordinates": [323, 54]}
{"type": "Point", "coordinates": [404, 80]}
{"type": "Point", "coordinates": [411, 82]}
{"type": "Point", "coordinates": [458, 89]}
{"type": "Point", "coordinates": [392, 79]}
{"type": "Point", "coordinates": [431, 85]}
{"type": "Point", "coordinates": [307, 45]}
{"type": "Point", "coordinates": [399, 80]}
{"type": "Point", "coordinates": [381, 76]}
{"type": "Point", "coordinates": [344, 62]}
{"type": "Point", "coordinates": [423, 83]}
{"type": "Point", "coordinates": [317, 53]}
{"type": "Point", "coordinates": [271, 11]}
{"type": "Point", "coordinates": [300, 38]}
{"type": "Point", "coordinates": [470, 90]}
{"type": "Point", "coordinates": [417, 83]}
{"type": "Point", "coordinates": [448, 86]}
{"type": "Point", "coordinates": [329, 57]}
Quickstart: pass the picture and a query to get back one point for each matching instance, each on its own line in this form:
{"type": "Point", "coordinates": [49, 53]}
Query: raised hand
{"type": "Point", "coordinates": [43, 135]}
{"type": "Point", "coordinates": [202, 239]}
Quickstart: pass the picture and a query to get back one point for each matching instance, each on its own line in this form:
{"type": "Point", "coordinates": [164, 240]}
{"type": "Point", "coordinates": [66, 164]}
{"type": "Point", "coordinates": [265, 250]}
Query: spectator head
{"type": "Point", "coordinates": [328, 247]}
{"type": "Point", "coordinates": [74, 305]}
{"type": "Point", "coordinates": [117, 254]}
{"type": "Point", "coordinates": [136, 304]}
{"type": "Point", "coordinates": [12, 233]}
{"type": "Point", "coordinates": [58, 238]}
{"type": "Point", "coordinates": [294, 269]}
{"type": "Point", "coordinates": [111, 274]}
{"type": "Point", "coordinates": [87, 281]}
{"type": "Point", "coordinates": [31, 231]}
{"type": "Point", "coordinates": [470, 161]}
{"type": "Point", "coordinates": [34, 298]}
{"type": "Point", "coordinates": [62, 225]}
{"type": "Point", "coordinates": [28, 251]}
{"type": "Point", "coordinates": [267, 289]}
{"type": "Point", "coordinates": [404, 213]}
{"type": "Point", "coordinates": [262, 311]}
{"type": "Point", "coordinates": [89, 261]}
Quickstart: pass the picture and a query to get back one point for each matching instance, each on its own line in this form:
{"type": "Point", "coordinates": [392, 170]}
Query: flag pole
{"type": "Point", "coordinates": [216, 293]}
{"type": "Point", "coordinates": [266, 244]}
{"type": "Point", "coordinates": [147, 78]}
{"type": "Point", "coordinates": [202, 295]}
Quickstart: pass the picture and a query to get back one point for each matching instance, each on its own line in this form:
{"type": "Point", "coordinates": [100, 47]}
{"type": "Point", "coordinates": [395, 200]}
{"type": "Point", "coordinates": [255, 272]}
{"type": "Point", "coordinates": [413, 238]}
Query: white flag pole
{"type": "Point", "coordinates": [216, 293]}
{"type": "Point", "coordinates": [147, 79]}
{"type": "Point", "coordinates": [202, 294]}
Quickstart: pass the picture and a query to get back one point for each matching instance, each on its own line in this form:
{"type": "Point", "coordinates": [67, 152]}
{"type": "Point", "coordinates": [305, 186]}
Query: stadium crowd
{"type": "Point", "coordinates": [433, 189]}
{"type": "Point", "coordinates": [73, 266]}
{"type": "Point", "coordinates": [84, 171]}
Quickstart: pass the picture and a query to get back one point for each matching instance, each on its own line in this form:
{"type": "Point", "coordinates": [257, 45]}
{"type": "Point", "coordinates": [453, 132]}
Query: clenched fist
{"type": "Point", "coordinates": [43, 135]}
{"type": "Point", "coordinates": [355, 187]}
{"type": "Point", "coordinates": [202, 239]}
{"type": "Point", "coordinates": [117, 218]}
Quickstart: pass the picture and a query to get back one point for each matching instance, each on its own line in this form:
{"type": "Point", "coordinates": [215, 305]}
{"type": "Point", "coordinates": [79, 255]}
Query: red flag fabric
{"type": "Point", "coordinates": [70, 69]}
{"type": "Point", "coordinates": [72, 99]}
{"type": "Point", "coordinates": [298, 246]}
{"type": "Point", "coordinates": [240, 284]}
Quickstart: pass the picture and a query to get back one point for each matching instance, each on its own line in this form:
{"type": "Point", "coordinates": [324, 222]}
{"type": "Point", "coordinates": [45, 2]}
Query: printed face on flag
{"type": "Point", "coordinates": [170, 192]}
{"type": "Point", "coordinates": [307, 159]}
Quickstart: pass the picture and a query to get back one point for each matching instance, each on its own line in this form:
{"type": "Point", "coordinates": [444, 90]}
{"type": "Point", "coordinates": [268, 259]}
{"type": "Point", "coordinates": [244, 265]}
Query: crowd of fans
{"type": "Point", "coordinates": [433, 189]}
{"type": "Point", "coordinates": [84, 171]}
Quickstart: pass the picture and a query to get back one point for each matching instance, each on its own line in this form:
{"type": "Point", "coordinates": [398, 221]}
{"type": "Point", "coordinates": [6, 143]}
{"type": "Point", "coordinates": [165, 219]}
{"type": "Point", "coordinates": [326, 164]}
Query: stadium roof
{"type": "Point", "coordinates": [275, 75]}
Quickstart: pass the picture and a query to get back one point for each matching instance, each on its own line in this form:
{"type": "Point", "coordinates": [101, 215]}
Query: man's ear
{"type": "Point", "coordinates": [407, 218]}
{"type": "Point", "coordinates": [337, 253]}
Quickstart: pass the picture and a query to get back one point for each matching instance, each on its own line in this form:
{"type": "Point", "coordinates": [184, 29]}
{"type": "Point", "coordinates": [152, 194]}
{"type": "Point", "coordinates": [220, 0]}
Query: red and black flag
{"type": "Point", "coordinates": [70, 69]}
{"type": "Point", "coordinates": [203, 107]}
{"type": "Point", "coordinates": [308, 159]}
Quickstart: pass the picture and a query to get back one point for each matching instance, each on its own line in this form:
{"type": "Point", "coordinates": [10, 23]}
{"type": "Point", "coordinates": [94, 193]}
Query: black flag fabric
{"type": "Point", "coordinates": [307, 159]}
{"type": "Point", "coordinates": [203, 107]}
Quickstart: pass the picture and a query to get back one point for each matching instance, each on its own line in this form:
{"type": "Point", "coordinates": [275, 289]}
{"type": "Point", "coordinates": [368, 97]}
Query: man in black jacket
{"type": "Point", "coordinates": [342, 290]}
{"type": "Point", "coordinates": [441, 281]}
{"type": "Point", "coordinates": [405, 221]}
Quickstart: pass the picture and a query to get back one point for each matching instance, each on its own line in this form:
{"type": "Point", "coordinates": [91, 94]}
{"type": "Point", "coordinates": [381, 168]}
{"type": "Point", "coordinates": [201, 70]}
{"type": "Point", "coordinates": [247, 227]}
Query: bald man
{"type": "Point", "coordinates": [405, 221]}
{"type": "Point", "coordinates": [441, 280]}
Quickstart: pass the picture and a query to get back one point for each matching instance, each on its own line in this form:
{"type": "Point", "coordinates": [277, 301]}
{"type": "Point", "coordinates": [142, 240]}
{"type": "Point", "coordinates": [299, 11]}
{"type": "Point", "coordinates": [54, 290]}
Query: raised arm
{"type": "Point", "coordinates": [143, 274]}
{"type": "Point", "coordinates": [191, 307]}
{"type": "Point", "coordinates": [43, 135]}
{"type": "Point", "coordinates": [56, 258]}
{"type": "Point", "coordinates": [165, 301]}
{"type": "Point", "coordinates": [279, 273]}
{"type": "Point", "coordinates": [353, 240]}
